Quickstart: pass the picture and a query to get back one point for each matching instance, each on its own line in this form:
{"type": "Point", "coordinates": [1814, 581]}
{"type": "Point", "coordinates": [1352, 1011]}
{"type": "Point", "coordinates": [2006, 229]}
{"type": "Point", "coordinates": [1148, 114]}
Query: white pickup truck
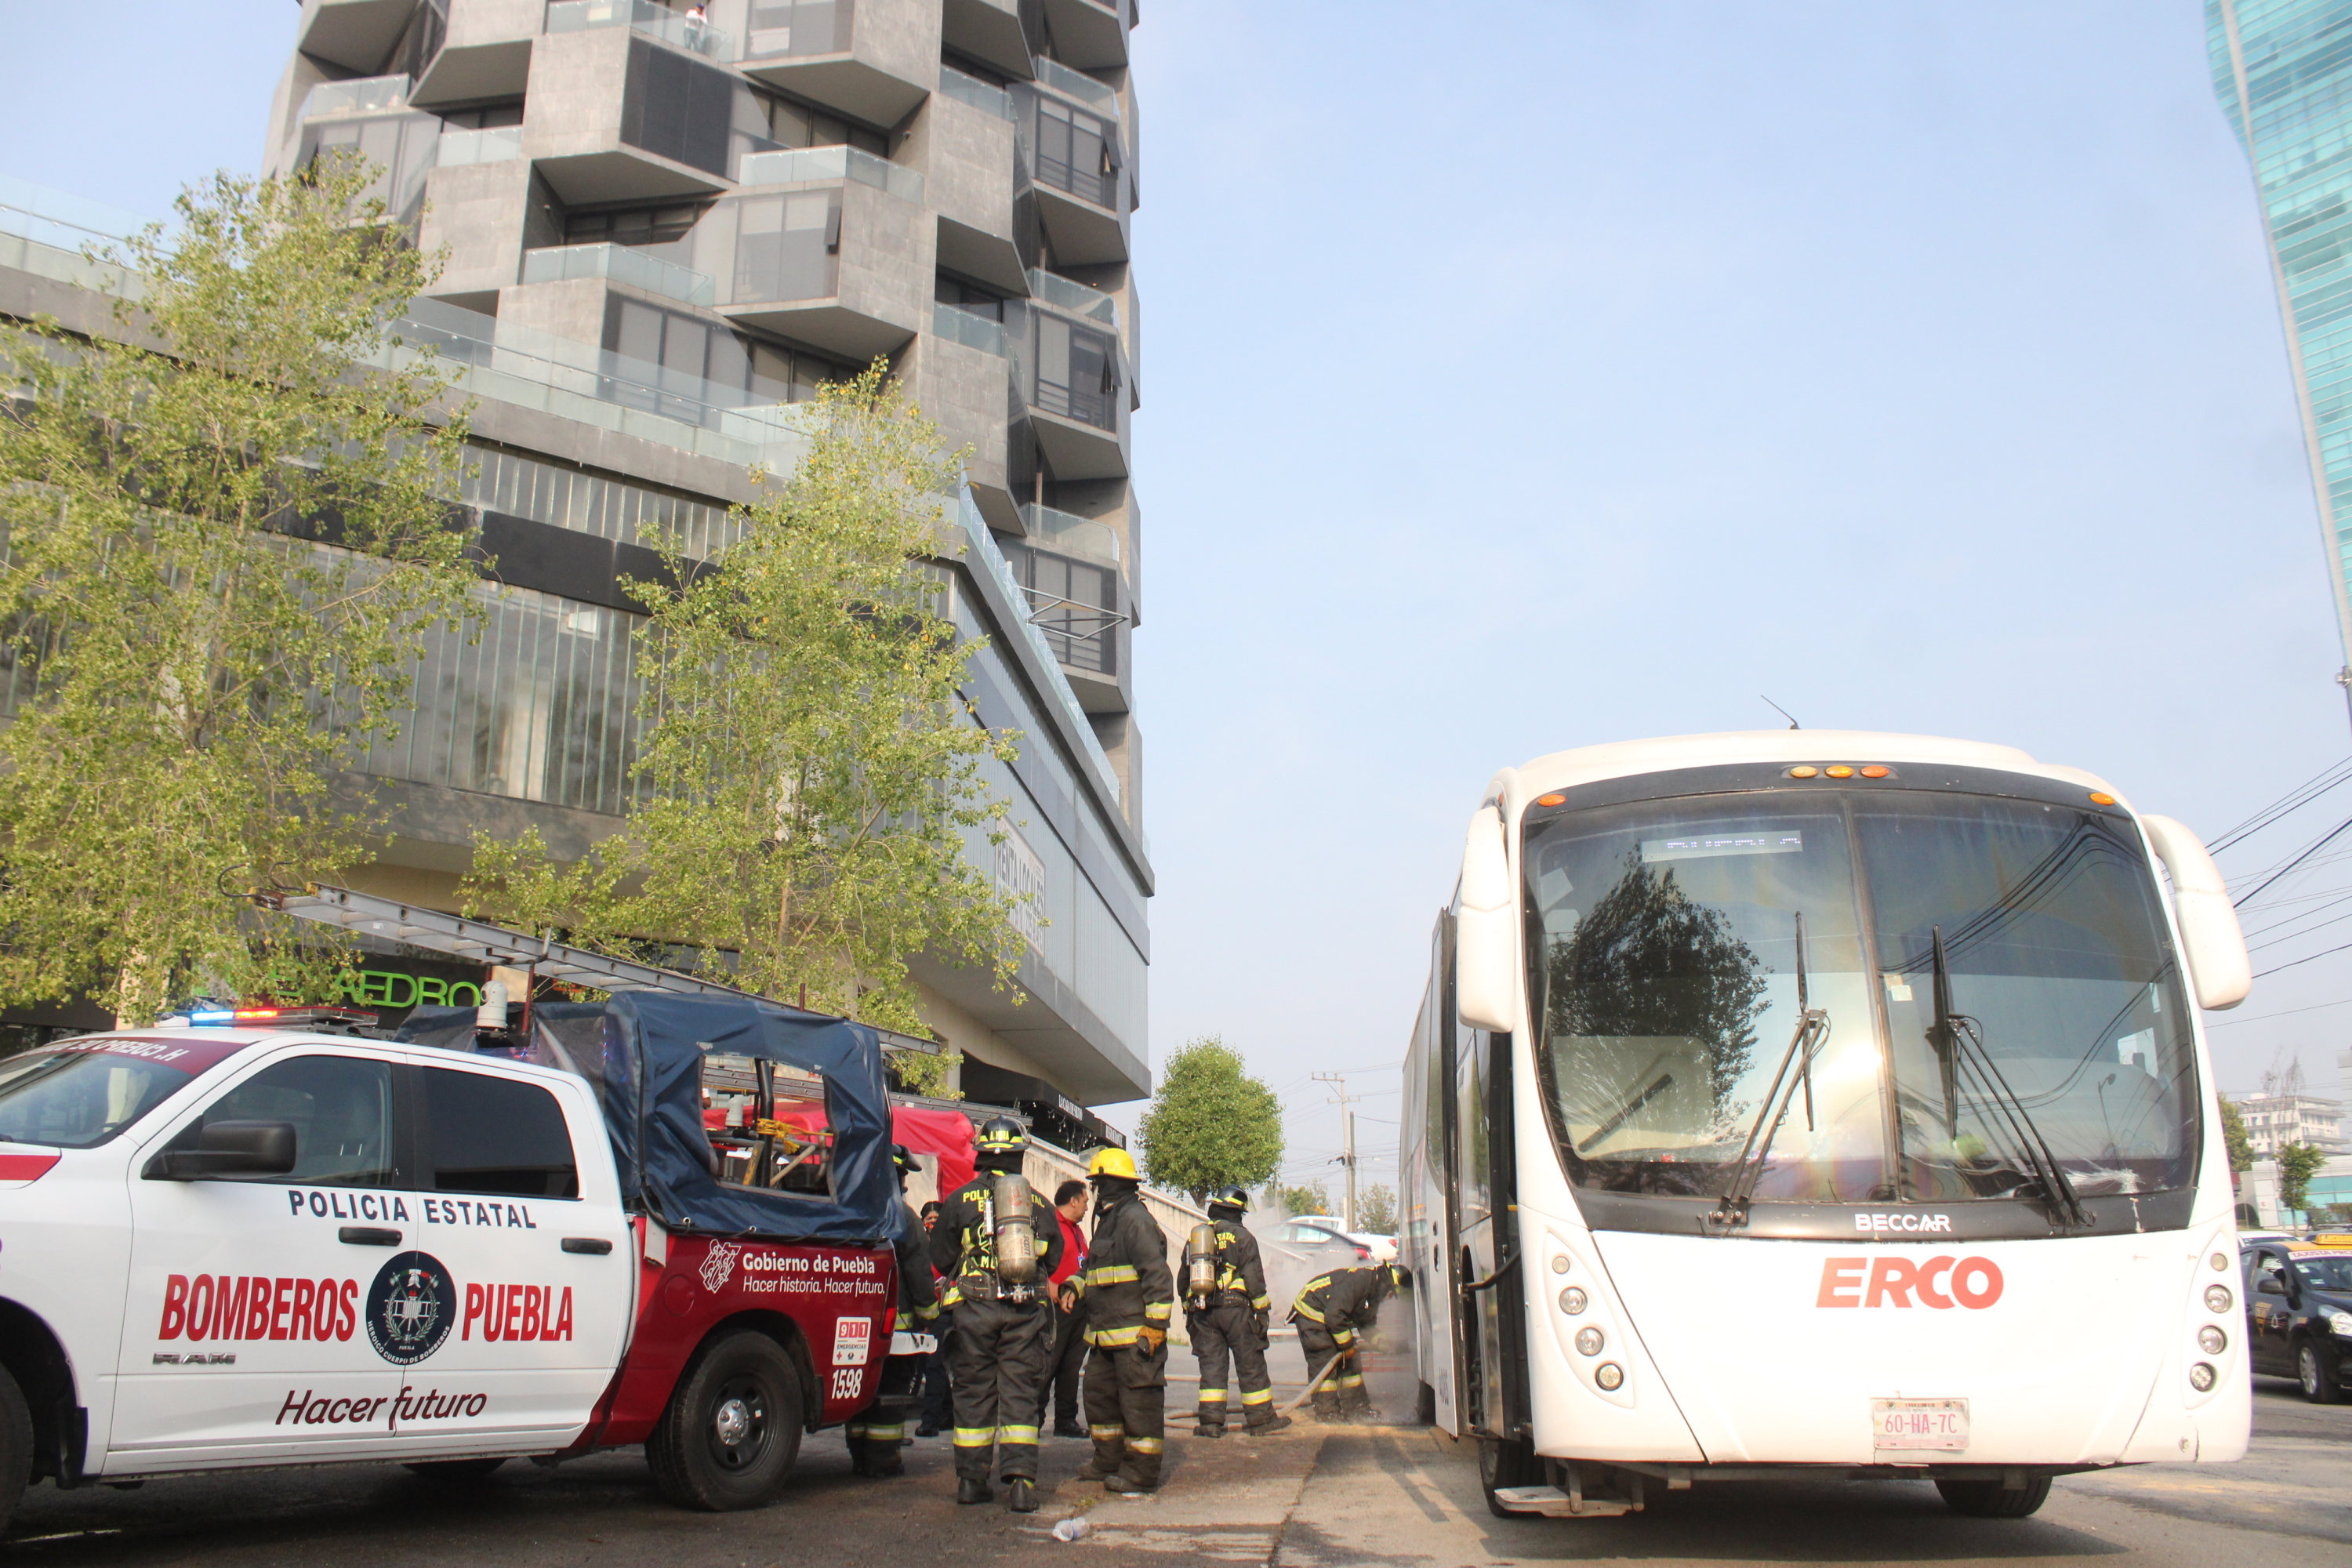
{"type": "Point", "coordinates": [236, 1247]}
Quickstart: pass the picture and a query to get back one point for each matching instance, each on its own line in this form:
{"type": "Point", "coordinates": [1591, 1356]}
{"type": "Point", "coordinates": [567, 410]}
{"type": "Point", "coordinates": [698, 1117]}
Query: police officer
{"type": "Point", "coordinates": [1333, 1313]}
{"type": "Point", "coordinates": [874, 1442]}
{"type": "Point", "coordinates": [1229, 1321]}
{"type": "Point", "coordinates": [1130, 1296]}
{"type": "Point", "coordinates": [1004, 1347]}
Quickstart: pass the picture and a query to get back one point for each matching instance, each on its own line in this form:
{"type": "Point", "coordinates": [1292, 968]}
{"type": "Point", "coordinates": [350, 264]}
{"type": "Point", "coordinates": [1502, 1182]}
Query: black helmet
{"type": "Point", "coordinates": [1234, 1198]}
{"type": "Point", "coordinates": [904, 1158]}
{"type": "Point", "coordinates": [1001, 1135]}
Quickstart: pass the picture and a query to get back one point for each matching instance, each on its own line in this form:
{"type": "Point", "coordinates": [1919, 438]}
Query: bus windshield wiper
{"type": "Point", "coordinates": [1959, 1047]}
{"type": "Point", "coordinates": [1812, 1025]}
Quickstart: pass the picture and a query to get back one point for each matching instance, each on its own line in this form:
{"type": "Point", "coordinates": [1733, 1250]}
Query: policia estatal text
{"type": "Point", "coordinates": [997, 1244]}
{"type": "Point", "coordinates": [1226, 1307]}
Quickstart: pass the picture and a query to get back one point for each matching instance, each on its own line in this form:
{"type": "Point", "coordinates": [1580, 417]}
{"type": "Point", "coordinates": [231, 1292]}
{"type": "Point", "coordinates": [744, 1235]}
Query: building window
{"type": "Point", "coordinates": [486, 116]}
{"type": "Point", "coordinates": [677, 108]}
{"type": "Point", "coordinates": [1074, 604]}
{"type": "Point", "coordinates": [401, 146]}
{"type": "Point", "coordinates": [797, 27]}
{"type": "Point", "coordinates": [509, 482]}
{"type": "Point", "coordinates": [970, 298]}
{"type": "Point", "coordinates": [792, 124]}
{"type": "Point", "coordinates": [1077, 153]}
{"type": "Point", "coordinates": [686, 367]}
{"type": "Point", "coordinates": [1077, 372]}
{"type": "Point", "coordinates": [787, 247]}
{"type": "Point", "coordinates": [662, 230]}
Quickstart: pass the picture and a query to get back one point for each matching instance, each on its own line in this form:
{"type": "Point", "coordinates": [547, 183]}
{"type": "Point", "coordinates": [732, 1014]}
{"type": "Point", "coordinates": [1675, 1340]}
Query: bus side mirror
{"type": "Point", "coordinates": [2216, 944]}
{"type": "Point", "coordinates": [1485, 930]}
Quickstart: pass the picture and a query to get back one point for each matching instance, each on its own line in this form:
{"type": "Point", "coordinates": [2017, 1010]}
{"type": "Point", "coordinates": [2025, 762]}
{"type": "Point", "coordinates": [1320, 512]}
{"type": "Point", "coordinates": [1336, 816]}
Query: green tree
{"type": "Point", "coordinates": [810, 783]}
{"type": "Point", "coordinates": [225, 524]}
{"type": "Point", "coordinates": [1211, 1125]}
{"type": "Point", "coordinates": [1309, 1199]}
{"type": "Point", "coordinates": [2297, 1164]}
{"type": "Point", "coordinates": [2233, 1133]}
{"type": "Point", "coordinates": [1376, 1211]}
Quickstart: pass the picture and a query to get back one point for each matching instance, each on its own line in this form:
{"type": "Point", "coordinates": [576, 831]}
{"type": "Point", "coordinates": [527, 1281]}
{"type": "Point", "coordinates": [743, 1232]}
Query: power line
{"type": "Point", "coordinates": [2283, 1013]}
{"type": "Point", "coordinates": [2241, 902]}
{"type": "Point", "coordinates": [2294, 800]}
{"type": "Point", "coordinates": [2306, 958]}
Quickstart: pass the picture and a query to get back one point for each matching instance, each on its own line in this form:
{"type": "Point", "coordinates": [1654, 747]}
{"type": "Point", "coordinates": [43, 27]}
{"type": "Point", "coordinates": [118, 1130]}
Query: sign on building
{"type": "Point", "coordinates": [1021, 877]}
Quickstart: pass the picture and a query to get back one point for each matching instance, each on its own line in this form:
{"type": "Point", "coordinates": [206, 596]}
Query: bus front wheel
{"type": "Point", "coordinates": [1506, 1462]}
{"type": "Point", "coordinates": [1991, 1499]}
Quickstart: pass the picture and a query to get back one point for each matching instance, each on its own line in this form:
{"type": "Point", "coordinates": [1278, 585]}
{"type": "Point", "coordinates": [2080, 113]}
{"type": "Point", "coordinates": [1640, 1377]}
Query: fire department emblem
{"type": "Point", "coordinates": [409, 1308]}
{"type": "Point", "coordinates": [719, 1265]}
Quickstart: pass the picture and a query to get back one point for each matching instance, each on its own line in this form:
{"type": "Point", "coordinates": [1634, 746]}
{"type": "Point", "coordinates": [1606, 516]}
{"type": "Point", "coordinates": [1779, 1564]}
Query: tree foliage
{"type": "Point", "coordinates": [2233, 1133]}
{"type": "Point", "coordinates": [811, 777]}
{"type": "Point", "coordinates": [1211, 1125]}
{"type": "Point", "coordinates": [2297, 1164]}
{"type": "Point", "coordinates": [224, 531]}
{"type": "Point", "coordinates": [1309, 1199]}
{"type": "Point", "coordinates": [1376, 1210]}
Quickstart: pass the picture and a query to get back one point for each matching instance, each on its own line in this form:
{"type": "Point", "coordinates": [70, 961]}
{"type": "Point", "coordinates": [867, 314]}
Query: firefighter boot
{"type": "Point", "coordinates": [971, 1488]}
{"type": "Point", "coordinates": [1021, 1494]}
{"type": "Point", "coordinates": [1266, 1428]}
{"type": "Point", "coordinates": [1327, 1403]}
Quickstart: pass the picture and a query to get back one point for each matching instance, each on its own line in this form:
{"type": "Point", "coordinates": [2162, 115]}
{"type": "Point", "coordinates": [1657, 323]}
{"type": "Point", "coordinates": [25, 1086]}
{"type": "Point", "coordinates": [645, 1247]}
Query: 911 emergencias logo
{"type": "Point", "coordinates": [410, 1307]}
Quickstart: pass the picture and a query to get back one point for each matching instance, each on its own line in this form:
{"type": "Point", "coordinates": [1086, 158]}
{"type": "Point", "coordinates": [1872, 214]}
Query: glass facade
{"type": "Point", "coordinates": [2283, 69]}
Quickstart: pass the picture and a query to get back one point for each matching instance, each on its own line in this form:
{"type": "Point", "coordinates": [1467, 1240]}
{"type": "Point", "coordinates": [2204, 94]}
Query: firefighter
{"type": "Point", "coordinates": [1231, 1321]}
{"type": "Point", "coordinates": [875, 1441]}
{"type": "Point", "coordinates": [1004, 1347]}
{"type": "Point", "coordinates": [1130, 1296]}
{"type": "Point", "coordinates": [1333, 1314]}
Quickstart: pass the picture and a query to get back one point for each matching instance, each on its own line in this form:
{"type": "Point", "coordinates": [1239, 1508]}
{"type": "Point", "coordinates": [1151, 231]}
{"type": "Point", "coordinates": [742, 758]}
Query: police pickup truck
{"type": "Point", "coordinates": [224, 1248]}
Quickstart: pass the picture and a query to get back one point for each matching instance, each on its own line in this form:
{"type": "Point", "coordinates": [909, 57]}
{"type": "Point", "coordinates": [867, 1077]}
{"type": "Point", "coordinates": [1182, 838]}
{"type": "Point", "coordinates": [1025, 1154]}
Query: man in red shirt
{"type": "Point", "coordinates": [1069, 1311]}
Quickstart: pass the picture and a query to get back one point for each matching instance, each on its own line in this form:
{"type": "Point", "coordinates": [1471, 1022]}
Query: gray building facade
{"type": "Point", "coordinates": [663, 226]}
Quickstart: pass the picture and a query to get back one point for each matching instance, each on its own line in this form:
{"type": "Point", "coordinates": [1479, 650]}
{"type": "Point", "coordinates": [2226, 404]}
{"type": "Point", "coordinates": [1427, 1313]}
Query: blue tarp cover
{"type": "Point", "coordinates": [643, 1050]}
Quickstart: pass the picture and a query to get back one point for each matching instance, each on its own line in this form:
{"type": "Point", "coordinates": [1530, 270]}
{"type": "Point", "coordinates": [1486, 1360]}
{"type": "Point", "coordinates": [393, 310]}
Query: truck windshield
{"type": "Point", "coordinates": [83, 1095]}
{"type": "Point", "coordinates": [1665, 940]}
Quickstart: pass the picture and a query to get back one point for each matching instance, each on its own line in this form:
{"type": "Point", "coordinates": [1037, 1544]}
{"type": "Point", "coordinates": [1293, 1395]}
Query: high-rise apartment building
{"type": "Point", "coordinates": [2283, 69]}
{"type": "Point", "coordinates": [663, 223]}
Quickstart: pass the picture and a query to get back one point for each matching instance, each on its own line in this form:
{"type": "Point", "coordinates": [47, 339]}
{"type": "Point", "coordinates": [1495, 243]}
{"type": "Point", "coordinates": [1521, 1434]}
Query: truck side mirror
{"type": "Point", "coordinates": [1486, 931]}
{"type": "Point", "coordinates": [2215, 944]}
{"type": "Point", "coordinates": [228, 1149]}
{"type": "Point", "coordinates": [2268, 1285]}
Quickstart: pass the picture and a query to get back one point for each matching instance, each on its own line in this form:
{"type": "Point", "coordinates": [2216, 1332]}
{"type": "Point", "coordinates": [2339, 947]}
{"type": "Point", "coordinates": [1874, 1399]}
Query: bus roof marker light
{"type": "Point", "coordinates": [1839, 771]}
{"type": "Point", "coordinates": [2100, 797]}
{"type": "Point", "coordinates": [1551, 800]}
{"type": "Point", "coordinates": [1877, 770]}
{"type": "Point", "coordinates": [1804, 773]}
{"type": "Point", "coordinates": [1610, 1375]}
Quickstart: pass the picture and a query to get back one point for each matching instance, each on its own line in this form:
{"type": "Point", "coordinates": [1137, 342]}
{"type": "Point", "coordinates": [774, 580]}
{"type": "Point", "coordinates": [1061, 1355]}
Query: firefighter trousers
{"type": "Point", "coordinates": [1342, 1392]}
{"type": "Point", "coordinates": [1001, 1355]}
{"type": "Point", "coordinates": [1126, 1410]}
{"type": "Point", "coordinates": [1230, 1332]}
{"type": "Point", "coordinates": [874, 1445]}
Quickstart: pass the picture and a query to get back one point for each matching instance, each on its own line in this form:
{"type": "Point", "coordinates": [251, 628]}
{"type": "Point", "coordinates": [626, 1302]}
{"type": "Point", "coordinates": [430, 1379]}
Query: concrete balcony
{"type": "Point", "coordinates": [598, 96]}
{"type": "Point", "coordinates": [469, 212]}
{"type": "Point", "coordinates": [826, 245]}
{"type": "Point", "coordinates": [960, 372]}
{"type": "Point", "coordinates": [1001, 32]}
{"type": "Point", "coordinates": [485, 55]}
{"type": "Point", "coordinates": [1073, 165]}
{"type": "Point", "coordinates": [872, 61]}
{"type": "Point", "coordinates": [352, 35]}
{"type": "Point", "coordinates": [1090, 33]}
{"type": "Point", "coordinates": [966, 144]}
{"type": "Point", "coordinates": [1075, 387]}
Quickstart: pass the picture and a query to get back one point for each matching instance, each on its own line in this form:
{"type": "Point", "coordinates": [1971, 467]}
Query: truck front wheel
{"type": "Point", "coordinates": [15, 1446]}
{"type": "Point", "coordinates": [732, 1429]}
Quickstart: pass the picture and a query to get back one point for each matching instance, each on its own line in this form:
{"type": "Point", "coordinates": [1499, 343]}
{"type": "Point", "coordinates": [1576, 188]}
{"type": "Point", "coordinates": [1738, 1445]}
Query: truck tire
{"type": "Point", "coordinates": [1989, 1500]}
{"type": "Point", "coordinates": [1506, 1462]}
{"type": "Point", "coordinates": [453, 1469]}
{"type": "Point", "coordinates": [2312, 1369]}
{"type": "Point", "coordinates": [15, 1446]}
{"type": "Point", "coordinates": [732, 1429]}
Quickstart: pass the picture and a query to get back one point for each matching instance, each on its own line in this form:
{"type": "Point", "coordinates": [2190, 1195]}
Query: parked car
{"type": "Point", "coordinates": [1315, 1233]}
{"type": "Point", "coordinates": [2299, 1314]}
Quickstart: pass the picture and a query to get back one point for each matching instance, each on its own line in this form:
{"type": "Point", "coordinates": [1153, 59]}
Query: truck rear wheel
{"type": "Point", "coordinates": [1991, 1499]}
{"type": "Point", "coordinates": [15, 1445]}
{"type": "Point", "coordinates": [732, 1430]}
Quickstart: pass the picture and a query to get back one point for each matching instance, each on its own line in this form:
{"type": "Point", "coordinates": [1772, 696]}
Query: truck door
{"type": "Point", "coordinates": [244, 1333]}
{"type": "Point", "coordinates": [537, 1250]}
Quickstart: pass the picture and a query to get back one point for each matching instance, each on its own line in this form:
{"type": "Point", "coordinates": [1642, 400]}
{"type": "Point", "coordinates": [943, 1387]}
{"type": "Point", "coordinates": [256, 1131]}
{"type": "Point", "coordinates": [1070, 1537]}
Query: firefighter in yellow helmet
{"type": "Point", "coordinates": [1130, 1293]}
{"type": "Point", "coordinates": [1003, 1346]}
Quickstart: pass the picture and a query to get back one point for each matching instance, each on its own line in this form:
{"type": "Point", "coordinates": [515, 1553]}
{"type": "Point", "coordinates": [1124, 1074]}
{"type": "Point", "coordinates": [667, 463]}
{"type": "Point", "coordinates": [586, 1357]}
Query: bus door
{"type": "Point", "coordinates": [1486, 1248]}
{"type": "Point", "coordinates": [1436, 1302]}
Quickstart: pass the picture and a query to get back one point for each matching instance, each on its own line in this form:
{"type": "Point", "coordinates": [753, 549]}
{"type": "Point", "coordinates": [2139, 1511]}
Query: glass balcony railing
{"type": "Point", "coordinates": [982, 546]}
{"type": "Point", "coordinates": [370, 95]}
{"type": "Point", "coordinates": [1069, 148]}
{"type": "Point", "coordinates": [674, 28]}
{"type": "Point", "coordinates": [961, 326]}
{"type": "Point", "coordinates": [970, 90]}
{"type": "Point", "coordinates": [792, 28]}
{"type": "Point", "coordinates": [497, 144]}
{"type": "Point", "coordinates": [621, 264]}
{"type": "Point", "coordinates": [1061, 79]}
{"type": "Point", "coordinates": [1071, 534]}
{"type": "Point", "coordinates": [793, 164]}
{"type": "Point", "coordinates": [1053, 288]}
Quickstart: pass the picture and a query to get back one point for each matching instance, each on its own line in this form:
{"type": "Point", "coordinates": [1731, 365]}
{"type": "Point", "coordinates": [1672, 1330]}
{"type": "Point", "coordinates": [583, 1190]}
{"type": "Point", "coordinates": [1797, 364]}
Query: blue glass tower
{"type": "Point", "coordinates": [2283, 69]}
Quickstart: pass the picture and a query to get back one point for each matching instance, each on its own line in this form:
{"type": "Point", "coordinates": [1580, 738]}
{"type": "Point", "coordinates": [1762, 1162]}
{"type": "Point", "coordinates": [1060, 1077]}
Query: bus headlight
{"type": "Point", "coordinates": [1608, 1375]}
{"type": "Point", "coordinates": [1590, 1340]}
{"type": "Point", "coordinates": [2217, 1298]}
{"type": "Point", "coordinates": [2340, 1323]}
{"type": "Point", "coordinates": [2212, 1340]}
{"type": "Point", "coordinates": [1572, 1300]}
{"type": "Point", "coordinates": [2201, 1377]}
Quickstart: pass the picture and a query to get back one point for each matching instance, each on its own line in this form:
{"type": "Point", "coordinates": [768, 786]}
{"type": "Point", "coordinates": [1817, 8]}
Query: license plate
{"type": "Point", "coordinates": [1935, 1425]}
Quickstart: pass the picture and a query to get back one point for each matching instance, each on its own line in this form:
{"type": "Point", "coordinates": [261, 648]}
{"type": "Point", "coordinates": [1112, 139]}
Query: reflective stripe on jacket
{"type": "Point", "coordinates": [1128, 1285]}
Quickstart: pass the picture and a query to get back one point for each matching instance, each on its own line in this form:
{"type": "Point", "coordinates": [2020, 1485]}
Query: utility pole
{"type": "Point", "coordinates": [1342, 1098]}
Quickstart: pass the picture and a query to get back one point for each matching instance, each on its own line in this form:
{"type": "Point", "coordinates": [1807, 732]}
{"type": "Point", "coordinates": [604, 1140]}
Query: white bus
{"type": "Point", "coordinates": [1821, 1102]}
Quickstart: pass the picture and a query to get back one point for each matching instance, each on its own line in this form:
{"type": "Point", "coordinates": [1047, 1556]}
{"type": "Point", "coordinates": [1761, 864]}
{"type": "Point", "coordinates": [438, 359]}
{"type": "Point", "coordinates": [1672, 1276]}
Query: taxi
{"type": "Point", "coordinates": [2299, 1312]}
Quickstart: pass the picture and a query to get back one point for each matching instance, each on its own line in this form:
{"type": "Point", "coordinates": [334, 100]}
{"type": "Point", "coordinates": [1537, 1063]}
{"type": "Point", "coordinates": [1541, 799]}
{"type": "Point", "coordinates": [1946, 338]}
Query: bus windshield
{"type": "Point", "coordinates": [1668, 938]}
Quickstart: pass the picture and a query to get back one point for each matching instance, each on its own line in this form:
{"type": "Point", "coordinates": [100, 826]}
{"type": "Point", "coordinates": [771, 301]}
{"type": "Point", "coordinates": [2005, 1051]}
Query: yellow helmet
{"type": "Point", "coordinates": [1110, 1162]}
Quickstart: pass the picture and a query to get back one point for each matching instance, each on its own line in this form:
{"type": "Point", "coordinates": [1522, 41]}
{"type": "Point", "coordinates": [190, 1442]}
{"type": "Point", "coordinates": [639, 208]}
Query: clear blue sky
{"type": "Point", "coordinates": [1522, 376]}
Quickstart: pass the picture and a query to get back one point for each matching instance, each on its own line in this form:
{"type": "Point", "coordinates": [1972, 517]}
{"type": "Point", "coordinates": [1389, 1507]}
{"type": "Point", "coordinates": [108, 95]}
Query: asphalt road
{"type": "Point", "coordinates": [1311, 1497]}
